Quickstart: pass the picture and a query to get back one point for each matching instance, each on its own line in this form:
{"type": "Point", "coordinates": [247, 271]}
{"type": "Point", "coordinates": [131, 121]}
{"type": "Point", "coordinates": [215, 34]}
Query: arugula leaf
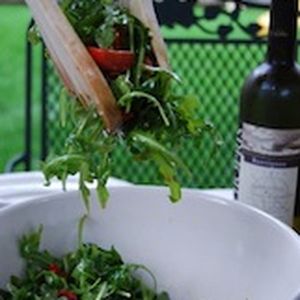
{"type": "Point", "coordinates": [103, 173]}
{"type": "Point", "coordinates": [34, 36]}
{"type": "Point", "coordinates": [105, 35]}
{"type": "Point", "coordinates": [30, 243]}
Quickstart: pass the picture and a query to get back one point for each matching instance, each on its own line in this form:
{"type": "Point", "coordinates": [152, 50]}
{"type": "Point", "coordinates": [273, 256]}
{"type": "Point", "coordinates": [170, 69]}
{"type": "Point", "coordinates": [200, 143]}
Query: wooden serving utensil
{"type": "Point", "coordinates": [144, 11]}
{"type": "Point", "coordinates": [76, 67]}
{"type": "Point", "coordinates": [78, 70]}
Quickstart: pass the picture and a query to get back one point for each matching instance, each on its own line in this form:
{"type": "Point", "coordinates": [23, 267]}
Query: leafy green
{"type": "Point", "coordinates": [104, 36]}
{"type": "Point", "coordinates": [34, 35]}
{"type": "Point", "coordinates": [89, 272]}
{"type": "Point", "coordinates": [156, 119]}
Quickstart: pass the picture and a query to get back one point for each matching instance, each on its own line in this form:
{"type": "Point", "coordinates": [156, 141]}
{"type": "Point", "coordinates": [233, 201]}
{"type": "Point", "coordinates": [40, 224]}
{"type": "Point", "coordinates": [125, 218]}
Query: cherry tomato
{"type": "Point", "coordinates": [113, 61]}
{"type": "Point", "coordinates": [67, 294]}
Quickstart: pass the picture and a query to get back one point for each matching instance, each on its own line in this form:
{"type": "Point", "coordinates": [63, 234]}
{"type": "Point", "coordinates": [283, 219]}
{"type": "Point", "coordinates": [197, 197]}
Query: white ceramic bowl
{"type": "Point", "coordinates": [200, 249]}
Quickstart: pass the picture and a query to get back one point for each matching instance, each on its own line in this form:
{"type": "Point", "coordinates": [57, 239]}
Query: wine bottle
{"type": "Point", "coordinates": [268, 146]}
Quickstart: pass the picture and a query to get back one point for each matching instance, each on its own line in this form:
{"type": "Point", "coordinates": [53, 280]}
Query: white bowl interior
{"type": "Point", "coordinates": [199, 249]}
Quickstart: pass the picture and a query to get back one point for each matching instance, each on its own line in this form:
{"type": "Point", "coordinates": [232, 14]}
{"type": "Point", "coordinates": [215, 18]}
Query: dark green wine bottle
{"type": "Point", "coordinates": [268, 160]}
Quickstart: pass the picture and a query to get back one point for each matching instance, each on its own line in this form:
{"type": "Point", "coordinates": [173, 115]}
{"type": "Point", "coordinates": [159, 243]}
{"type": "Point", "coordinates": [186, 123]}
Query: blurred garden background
{"type": "Point", "coordinates": [14, 20]}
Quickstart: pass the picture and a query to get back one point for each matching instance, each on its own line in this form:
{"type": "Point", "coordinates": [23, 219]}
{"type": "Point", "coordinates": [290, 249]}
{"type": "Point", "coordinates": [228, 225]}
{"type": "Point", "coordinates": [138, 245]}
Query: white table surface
{"type": "Point", "coordinates": [17, 187]}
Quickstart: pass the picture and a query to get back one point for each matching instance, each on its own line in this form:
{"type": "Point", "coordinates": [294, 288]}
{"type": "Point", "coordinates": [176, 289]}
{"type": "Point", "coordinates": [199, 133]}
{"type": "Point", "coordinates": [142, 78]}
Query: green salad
{"type": "Point", "coordinates": [88, 273]}
{"type": "Point", "coordinates": [156, 119]}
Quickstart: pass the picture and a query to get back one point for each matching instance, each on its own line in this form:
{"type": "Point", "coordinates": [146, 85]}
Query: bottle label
{"type": "Point", "coordinates": [268, 170]}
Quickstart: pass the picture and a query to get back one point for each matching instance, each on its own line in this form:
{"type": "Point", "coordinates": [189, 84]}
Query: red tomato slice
{"type": "Point", "coordinates": [114, 61]}
{"type": "Point", "coordinates": [67, 294]}
{"type": "Point", "coordinates": [55, 269]}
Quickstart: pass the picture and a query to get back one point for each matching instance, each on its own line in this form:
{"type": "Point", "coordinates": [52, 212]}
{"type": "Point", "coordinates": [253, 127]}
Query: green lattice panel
{"type": "Point", "coordinates": [56, 135]}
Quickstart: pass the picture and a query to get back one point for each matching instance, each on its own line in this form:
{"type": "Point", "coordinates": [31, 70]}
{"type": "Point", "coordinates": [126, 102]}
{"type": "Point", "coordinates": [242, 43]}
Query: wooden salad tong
{"type": "Point", "coordinates": [80, 74]}
{"type": "Point", "coordinates": [144, 11]}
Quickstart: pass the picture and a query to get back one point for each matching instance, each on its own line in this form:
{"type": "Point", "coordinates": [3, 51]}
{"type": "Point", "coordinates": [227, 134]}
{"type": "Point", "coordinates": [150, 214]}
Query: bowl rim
{"type": "Point", "coordinates": [217, 200]}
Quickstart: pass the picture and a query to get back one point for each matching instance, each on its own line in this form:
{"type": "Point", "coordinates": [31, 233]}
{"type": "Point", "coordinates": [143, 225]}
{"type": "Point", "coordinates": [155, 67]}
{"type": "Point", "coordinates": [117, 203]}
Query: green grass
{"type": "Point", "coordinates": [13, 21]}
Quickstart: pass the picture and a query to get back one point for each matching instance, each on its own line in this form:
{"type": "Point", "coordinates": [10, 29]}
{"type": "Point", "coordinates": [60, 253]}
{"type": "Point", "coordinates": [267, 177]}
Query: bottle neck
{"type": "Point", "coordinates": [283, 32]}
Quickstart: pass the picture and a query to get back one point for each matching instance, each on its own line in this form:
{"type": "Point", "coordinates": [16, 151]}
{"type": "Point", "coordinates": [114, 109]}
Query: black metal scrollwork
{"type": "Point", "coordinates": [172, 12]}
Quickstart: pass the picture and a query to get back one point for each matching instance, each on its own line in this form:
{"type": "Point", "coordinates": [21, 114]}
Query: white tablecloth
{"type": "Point", "coordinates": [17, 187]}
